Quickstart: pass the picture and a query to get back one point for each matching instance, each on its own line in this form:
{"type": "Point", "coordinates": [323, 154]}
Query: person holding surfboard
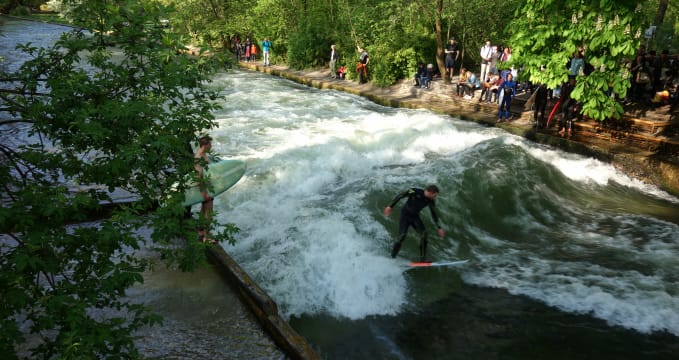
{"type": "Point", "coordinates": [201, 157]}
{"type": "Point", "coordinates": [418, 199]}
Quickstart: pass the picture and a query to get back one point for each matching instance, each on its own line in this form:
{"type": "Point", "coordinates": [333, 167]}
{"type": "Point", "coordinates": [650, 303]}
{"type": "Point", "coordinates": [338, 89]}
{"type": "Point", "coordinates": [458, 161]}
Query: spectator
{"type": "Point", "coordinates": [238, 49]}
{"type": "Point", "coordinates": [495, 86]}
{"type": "Point", "coordinates": [486, 58]}
{"type": "Point", "coordinates": [485, 87]}
{"type": "Point", "coordinates": [660, 69]}
{"type": "Point", "coordinates": [506, 54]}
{"type": "Point", "coordinates": [640, 76]}
{"type": "Point", "coordinates": [577, 64]}
{"type": "Point", "coordinates": [266, 47]}
{"type": "Point", "coordinates": [253, 52]}
{"type": "Point", "coordinates": [341, 72]}
{"type": "Point", "coordinates": [428, 75]}
{"type": "Point", "coordinates": [362, 66]}
{"type": "Point", "coordinates": [452, 52]}
{"type": "Point", "coordinates": [471, 85]}
{"type": "Point", "coordinates": [334, 55]}
{"type": "Point", "coordinates": [421, 71]}
{"type": "Point", "coordinates": [671, 84]}
{"type": "Point", "coordinates": [508, 92]}
{"type": "Point", "coordinates": [493, 60]}
{"type": "Point", "coordinates": [540, 104]}
{"type": "Point", "coordinates": [567, 108]}
{"type": "Point", "coordinates": [461, 82]}
{"type": "Point", "coordinates": [248, 48]}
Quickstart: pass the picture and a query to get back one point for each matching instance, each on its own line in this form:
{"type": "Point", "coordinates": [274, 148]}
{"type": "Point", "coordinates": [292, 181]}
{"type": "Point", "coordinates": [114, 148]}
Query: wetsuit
{"type": "Point", "coordinates": [540, 105]}
{"type": "Point", "coordinates": [410, 216]}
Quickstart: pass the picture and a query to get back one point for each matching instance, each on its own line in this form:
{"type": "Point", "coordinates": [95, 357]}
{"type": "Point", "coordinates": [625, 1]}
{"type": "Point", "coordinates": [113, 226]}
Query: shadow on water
{"type": "Point", "coordinates": [483, 323]}
{"type": "Point", "coordinates": [202, 318]}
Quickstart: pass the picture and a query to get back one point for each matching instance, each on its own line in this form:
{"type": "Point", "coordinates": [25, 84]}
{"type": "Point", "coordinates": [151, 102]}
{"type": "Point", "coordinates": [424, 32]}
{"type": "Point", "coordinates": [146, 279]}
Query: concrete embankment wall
{"type": "Point", "coordinates": [262, 306]}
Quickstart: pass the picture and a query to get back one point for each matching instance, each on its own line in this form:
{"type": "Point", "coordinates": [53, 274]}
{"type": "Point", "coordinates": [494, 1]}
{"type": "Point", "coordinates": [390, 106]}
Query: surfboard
{"type": "Point", "coordinates": [437, 263]}
{"type": "Point", "coordinates": [223, 175]}
{"type": "Point", "coordinates": [551, 113]}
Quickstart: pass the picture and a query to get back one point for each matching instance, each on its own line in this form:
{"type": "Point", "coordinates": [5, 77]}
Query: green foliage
{"type": "Point", "coordinates": [308, 44]}
{"type": "Point", "coordinates": [608, 30]}
{"type": "Point", "coordinates": [540, 32]}
{"type": "Point", "coordinates": [396, 40]}
{"type": "Point", "coordinates": [19, 7]}
{"type": "Point", "coordinates": [472, 23]}
{"type": "Point", "coordinates": [102, 118]}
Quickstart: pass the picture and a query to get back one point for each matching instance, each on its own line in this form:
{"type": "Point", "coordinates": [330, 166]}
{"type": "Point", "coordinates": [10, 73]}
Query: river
{"type": "Point", "coordinates": [569, 258]}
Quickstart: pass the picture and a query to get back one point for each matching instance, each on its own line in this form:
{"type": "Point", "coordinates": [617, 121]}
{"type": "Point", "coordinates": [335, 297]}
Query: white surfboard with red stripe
{"type": "Point", "coordinates": [437, 263]}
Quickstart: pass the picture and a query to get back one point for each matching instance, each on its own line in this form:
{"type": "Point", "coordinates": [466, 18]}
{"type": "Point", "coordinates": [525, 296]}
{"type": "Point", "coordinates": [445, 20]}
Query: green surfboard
{"type": "Point", "coordinates": [223, 175]}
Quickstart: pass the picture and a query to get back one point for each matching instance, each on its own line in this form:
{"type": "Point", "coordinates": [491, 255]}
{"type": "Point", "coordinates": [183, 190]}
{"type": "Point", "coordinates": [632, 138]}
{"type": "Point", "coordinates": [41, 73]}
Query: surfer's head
{"type": "Point", "coordinates": [205, 141]}
{"type": "Point", "coordinates": [431, 191]}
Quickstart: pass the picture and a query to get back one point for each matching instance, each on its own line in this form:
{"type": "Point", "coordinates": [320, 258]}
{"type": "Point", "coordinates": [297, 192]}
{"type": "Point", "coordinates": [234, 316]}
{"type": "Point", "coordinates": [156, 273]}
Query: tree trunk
{"type": "Point", "coordinates": [440, 43]}
{"type": "Point", "coordinates": [660, 15]}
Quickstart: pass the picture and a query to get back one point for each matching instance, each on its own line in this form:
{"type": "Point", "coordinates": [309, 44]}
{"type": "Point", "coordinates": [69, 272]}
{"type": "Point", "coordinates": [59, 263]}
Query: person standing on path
{"type": "Point", "coordinates": [334, 56]}
{"type": "Point", "coordinates": [362, 66]}
{"type": "Point", "coordinates": [253, 52]}
{"type": "Point", "coordinates": [248, 47]}
{"type": "Point", "coordinates": [509, 92]}
{"type": "Point", "coordinates": [452, 51]}
{"type": "Point", "coordinates": [418, 199]}
{"type": "Point", "coordinates": [266, 47]}
{"type": "Point", "coordinates": [486, 59]}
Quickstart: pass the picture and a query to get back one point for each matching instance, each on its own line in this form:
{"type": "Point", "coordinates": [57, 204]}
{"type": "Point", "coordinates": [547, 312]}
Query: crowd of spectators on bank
{"type": "Point", "coordinates": [654, 78]}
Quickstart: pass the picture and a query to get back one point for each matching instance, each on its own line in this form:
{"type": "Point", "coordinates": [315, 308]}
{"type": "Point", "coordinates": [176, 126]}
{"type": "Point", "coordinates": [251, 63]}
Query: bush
{"type": "Point", "coordinates": [20, 11]}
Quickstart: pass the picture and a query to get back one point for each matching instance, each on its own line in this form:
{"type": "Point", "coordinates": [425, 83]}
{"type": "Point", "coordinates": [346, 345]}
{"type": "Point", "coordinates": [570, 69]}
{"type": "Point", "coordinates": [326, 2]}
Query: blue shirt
{"type": "Point", "coordinates": [510, 88]}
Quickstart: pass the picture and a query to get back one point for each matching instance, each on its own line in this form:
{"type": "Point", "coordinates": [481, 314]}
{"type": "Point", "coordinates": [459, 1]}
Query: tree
{"type": "Point", "coordinates": [104, 118]}
{"type": "Point", "coordinates": [18, 6]}
{"type": "Point", "coordinates": [608, 30]}
{"type": "Point", "coordinates": [662, 9]}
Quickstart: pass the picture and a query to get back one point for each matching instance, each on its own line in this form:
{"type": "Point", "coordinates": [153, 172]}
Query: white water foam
{"type": "Point", "coordinates": [589, 170]}
{"type": "Point", "coordinates": [302, 206]}
{"type": "Point", "coordinates": [312, 238]}
{"type": "Point", "coordinates": [625, 298]}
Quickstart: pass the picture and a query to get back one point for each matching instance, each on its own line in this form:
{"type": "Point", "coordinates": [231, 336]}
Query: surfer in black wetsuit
{"type": "Point", "coordinates": [410, 216]}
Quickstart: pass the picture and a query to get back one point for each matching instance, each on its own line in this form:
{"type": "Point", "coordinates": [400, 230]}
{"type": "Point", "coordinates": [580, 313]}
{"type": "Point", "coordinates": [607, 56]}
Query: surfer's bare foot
{"type": "Point", "coordinates": [210, 241]}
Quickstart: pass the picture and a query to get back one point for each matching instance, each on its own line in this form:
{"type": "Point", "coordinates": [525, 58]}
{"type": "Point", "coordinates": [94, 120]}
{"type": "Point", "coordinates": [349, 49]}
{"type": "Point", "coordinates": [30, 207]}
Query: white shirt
{"type": "Point", "coordinates": [486, 52]}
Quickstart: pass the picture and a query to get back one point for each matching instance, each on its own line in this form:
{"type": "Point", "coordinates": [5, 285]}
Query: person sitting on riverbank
{"type": "Point", "coordinates": [494, 90]}
{"type": "Point", "coordinates": [471, 85]}
{"type": "Point", "coordinates": [485, 87]}
{"type": "Point", "coordinates": [341, 72]}
{"type": "Point", "coordinates": [428, 76]}
{"type": "Point", "coordinates": [421, 71]}
{"type": "Point", "coordinates": [462, 81]}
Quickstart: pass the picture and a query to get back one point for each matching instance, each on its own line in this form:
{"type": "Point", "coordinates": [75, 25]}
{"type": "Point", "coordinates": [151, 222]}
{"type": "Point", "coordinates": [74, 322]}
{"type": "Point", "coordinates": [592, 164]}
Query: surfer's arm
{"type": "Point", "coordinates": [400, 196]}
{"type": "Point", "coordinates": [387, 210]}
{"type": "Point", "coordinates": [202, 182]}
{"type": "Point", "coordinates": [435, 217]}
